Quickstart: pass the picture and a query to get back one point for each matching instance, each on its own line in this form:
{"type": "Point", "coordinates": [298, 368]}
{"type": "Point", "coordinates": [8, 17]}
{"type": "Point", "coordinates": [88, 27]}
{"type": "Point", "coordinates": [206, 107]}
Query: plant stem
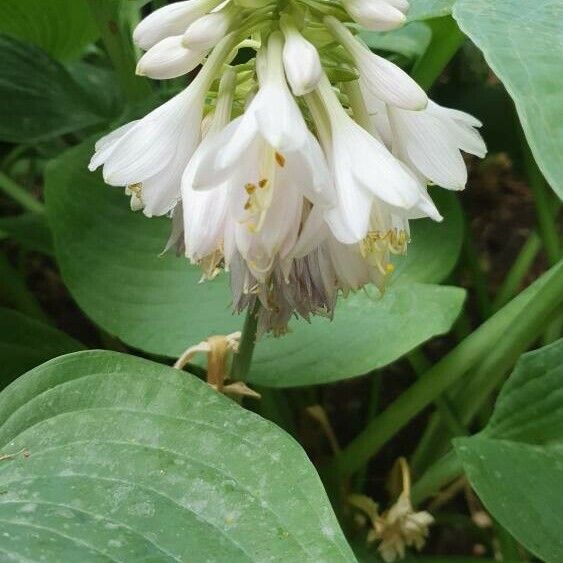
{"type": "Point", "coordinates": [546, 224]}
{"type": "Point", "coordinates": [112, 19]}
{"type": "Point", "coordinates": [444, 471]}
{"type": "Point", "coordinates": [447, 38]}
{"type": "Point", "coordinates": [523, 329]}
{"type": "Point", "coordinates": [479, 279]}
{"type": "Point", "coordinates": [420, 364]}
{"type": "Point", "coordinates": [518, 271]}
{"type": "Point", "coordinates": [20, 194]}
{"type": "Point", "coordinates": [243, 358]}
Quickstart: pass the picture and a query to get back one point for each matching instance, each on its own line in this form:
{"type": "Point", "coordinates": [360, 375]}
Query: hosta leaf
{"type": "Point", "coordinates": [368, 332]}
{"type": "Point", "coordinates": [62, 28]}
{"type": "Point", "coordinates": [516, 463]}
{"type": "Point", "coordinates": [124, 459]}
{"type": "Point", "coordinates": [523, 42]}
{"type": "Point", "coordinates": [38, 97]}
{"type": "Point", "coordinates": [26, 343]}
{"type": "Point", "coordinates": [428, 9]}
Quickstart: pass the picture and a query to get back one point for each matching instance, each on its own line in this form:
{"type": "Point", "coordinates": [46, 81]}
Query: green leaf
{"type": "Point", "coordinates": [30, 230]}
{"type": "Point", "coordinates": [110, 261]}
{"type": "Point", "coordinates": [62, 28]}
{"type": "Point", "coordinates": [435, 247]}
{"type": "Point", "coordinates": [127, 460]}
{"type": "Point", "coordinates": [410, 41]}
{"type": "Point", "coordinates": [428, 9]}
{"type": "Point", "coordinates": [38, 97]}
{"type": "Point", "coordinates": [26, 343]}
{"type": "Point", "coordinates": [367, 333]}
{"type": "Point", "coordinates": [516, 463]}
{"type": "Point", "coordinates": [522, 44]}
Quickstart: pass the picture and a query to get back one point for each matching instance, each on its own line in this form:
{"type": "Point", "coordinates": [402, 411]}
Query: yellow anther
{"type": "Point", "coordinates": [280, 159]}
{"type": "Point", "coordinates": [136, 188]}
{"type": "Point", "coordinates": [263, 183]}
{"type": "Point", "coordinates": [250, 188]}
{"type": "Point", "coordinates": [390, 268]}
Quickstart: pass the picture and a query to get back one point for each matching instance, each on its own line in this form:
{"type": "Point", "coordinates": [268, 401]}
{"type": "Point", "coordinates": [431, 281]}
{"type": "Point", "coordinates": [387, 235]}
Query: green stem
{"type": "Point", "coordinates": [518, 271]}
{"type": "Point", "coordinates": [452, 367]}
{"type": "Point", "coordinates": [447, 38]}
{"type": "Point", "coordinates": [112, 17]}
{"type": "Point", "coordinates": [20, 194]}
{"type": "Point", "coordinates": [443, 472]}
{"type": "Point", "coordinates": [540, 190]}
{"type": "Point", "coordinates": [243, 358]}
{"type": "Point", "coordinates": [420, 364]}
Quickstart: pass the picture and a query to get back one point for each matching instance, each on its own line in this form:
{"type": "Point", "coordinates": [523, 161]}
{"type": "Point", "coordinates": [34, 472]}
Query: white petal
{"type": "Point", "coordinates": [207, 31]}
{"type": "Point", "coordinates": [301, 62]}
{"type": "Point", "coordinates": [390, 83]}
{"type": "Point", "coordinates": [106, 144]}
{"type": "Point", "coordinates": [173, 19]}
{"type": "Point", "coordinates": [428, 145]}
{"type": "Point", "coordinates": [149, 146]}
{"type": "Point", "coordinates": [375, 15]}
{"type": "Point", "coordinates": [313, 233]}
{"type": "Point", "coordinates": [169, 59]}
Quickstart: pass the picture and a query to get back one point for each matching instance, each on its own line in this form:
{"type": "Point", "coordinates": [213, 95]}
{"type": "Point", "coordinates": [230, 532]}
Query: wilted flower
{"type": "Point", "coordinates": [297, 171]}
{"type": "Point", "coordinates": [400, 526]}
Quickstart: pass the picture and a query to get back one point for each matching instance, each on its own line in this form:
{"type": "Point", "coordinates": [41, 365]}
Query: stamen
{"type": "Point", "coordinates": [250, 188]}
{"type": "Point", "coordinates": [263, 183]}
{"type": "Point", "coordinates": [376, 247]}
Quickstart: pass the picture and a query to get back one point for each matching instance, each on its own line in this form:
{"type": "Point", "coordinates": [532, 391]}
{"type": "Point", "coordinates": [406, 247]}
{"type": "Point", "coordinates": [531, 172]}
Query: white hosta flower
{"type": "Point", "coordinates": [171, 20]}
{"type": "Point", "coordinates": [169, 58]}
{"type": "Point", "coordinates": [378, 15]}
{"type": "Point", "coordinates": [148, 156]}
{"type": "Point", "coordinates": [362, 168]}
{"type": "Point", "coordinates": [301, 61]}
{"type": "Point", "coordinates": [430, 142]}
{"type": "Point", "coordinates": [208, 30]}
{"type": "Point", "coordinates": [383, 78]}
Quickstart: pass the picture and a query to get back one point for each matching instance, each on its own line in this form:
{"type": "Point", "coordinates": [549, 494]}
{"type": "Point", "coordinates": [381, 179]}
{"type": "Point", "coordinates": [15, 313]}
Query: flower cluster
{"type": "Point", "coordinates": [297, 170]}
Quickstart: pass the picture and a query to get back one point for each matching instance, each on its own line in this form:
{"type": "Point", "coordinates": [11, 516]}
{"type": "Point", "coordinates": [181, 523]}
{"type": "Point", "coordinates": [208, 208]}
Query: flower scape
{"type": "Point", "coordinates": [298, 170]}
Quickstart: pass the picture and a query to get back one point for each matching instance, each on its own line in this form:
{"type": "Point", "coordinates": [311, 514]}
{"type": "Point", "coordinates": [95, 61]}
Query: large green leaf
{"type": "Point", "coordinates": [26, 343]}
{"type": "Point", "coordinates": [122, 459]}
{"type": "Point", "coordinates": [428, 9]}
{"type": "Point", "coordinates": [63, 28]}
{"type": "Point", "coordinates": [367, 333]}
{"type": "Point", "coordinates": [38, 97]}
{"type": "Point", "coordinates": [516, 463]}
{"type": "Point", "coordinates": [523, 43]}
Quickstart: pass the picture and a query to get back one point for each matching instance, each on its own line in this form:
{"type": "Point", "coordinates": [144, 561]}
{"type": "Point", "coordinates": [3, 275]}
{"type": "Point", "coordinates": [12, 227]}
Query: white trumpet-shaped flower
{"type": "Point", "coordinates": [170, 20]}
{"type": "Point", "coordinates": [149, 156]}
{"type": "Point", "coordinates": [384, 79]}
{"type": "Point", "coordinates": [301, 60]}
{"type": "Point", "coordinates": [377, 15]}
{"type": "Point", "coordinates": [362, 169]}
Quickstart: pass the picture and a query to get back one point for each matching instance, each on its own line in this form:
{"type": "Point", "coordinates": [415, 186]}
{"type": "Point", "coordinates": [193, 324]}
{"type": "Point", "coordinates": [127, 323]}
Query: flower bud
{"type": "Point", "coordinates": [301, 61]}
{"type": "Point", "coordinates": [173, 19]}
{"type": "Point", "coordinates": [207, 31]}
{"type": "Point", "coordinates": [377, 15]}
{"type": "Point", "coordinates": [169, 59]}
